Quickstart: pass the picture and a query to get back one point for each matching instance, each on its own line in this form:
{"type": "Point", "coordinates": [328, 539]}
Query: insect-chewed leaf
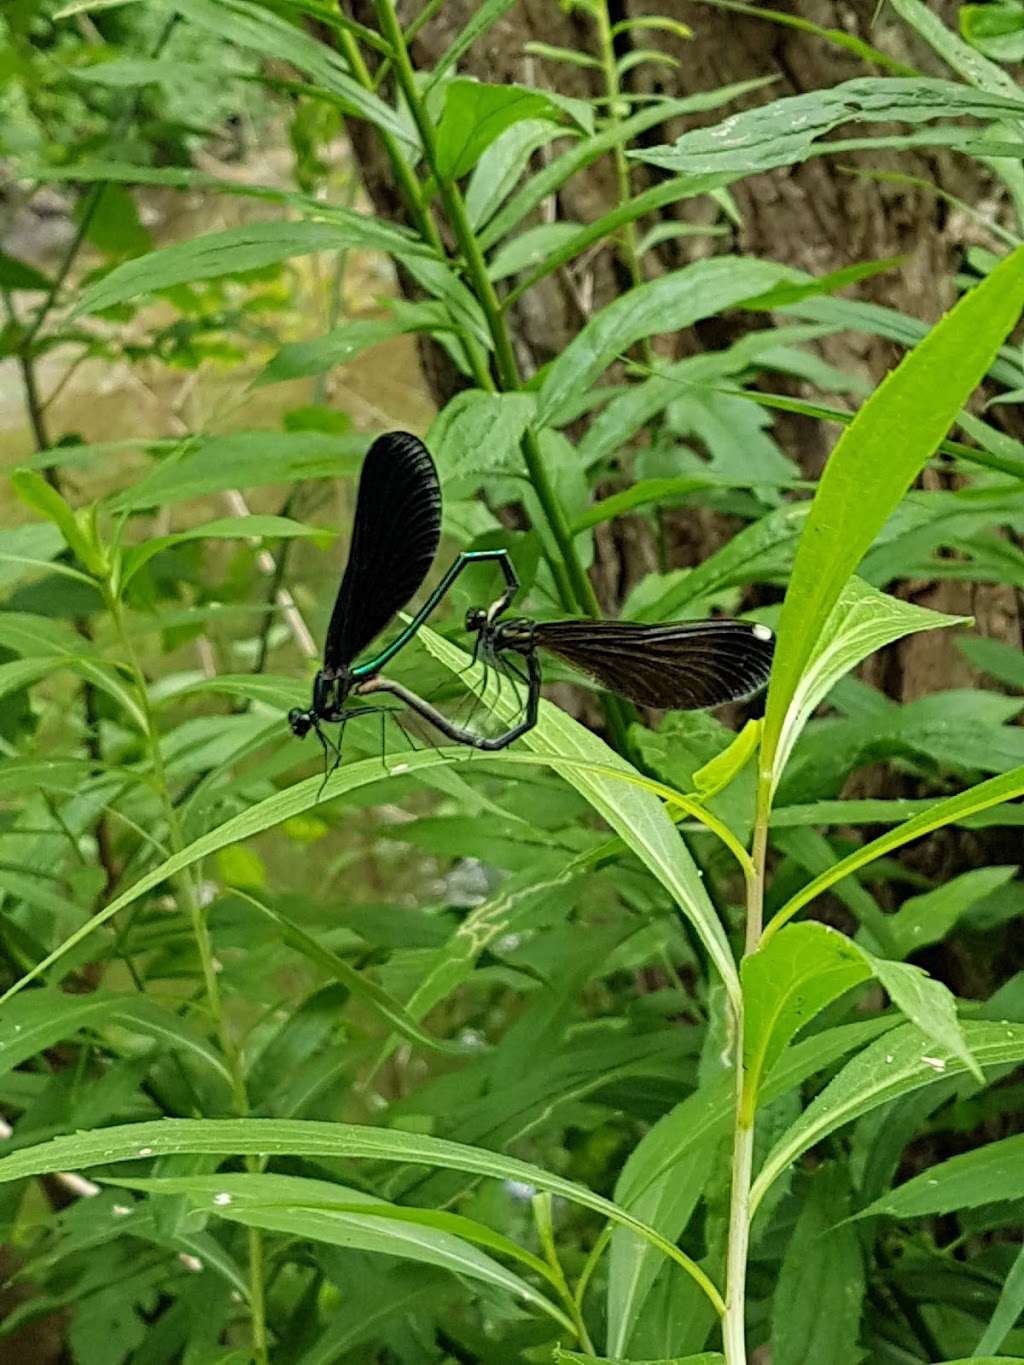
{"type": "Point", "coordinates": [684, 666]}
{"type": "Point", "coordinates": [395, 535]}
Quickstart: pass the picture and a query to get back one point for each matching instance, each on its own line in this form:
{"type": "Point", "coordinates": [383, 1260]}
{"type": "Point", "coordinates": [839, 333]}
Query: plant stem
{"type": "Point", "coordinates": [185, 891]}
{"type": "Point", "coordinates": [734, 1321]}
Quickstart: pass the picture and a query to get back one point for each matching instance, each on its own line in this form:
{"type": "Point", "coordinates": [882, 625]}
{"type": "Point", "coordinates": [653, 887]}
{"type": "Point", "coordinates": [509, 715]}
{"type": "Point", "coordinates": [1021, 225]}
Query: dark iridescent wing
{"type": "Point", "coordinates": [395, 534]}
{"type": "Point", "coordinates": [685, 666]}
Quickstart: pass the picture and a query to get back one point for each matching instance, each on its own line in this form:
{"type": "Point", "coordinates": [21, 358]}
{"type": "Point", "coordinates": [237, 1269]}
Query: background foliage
{"type": "Point", "coordinates": [439, 1067]}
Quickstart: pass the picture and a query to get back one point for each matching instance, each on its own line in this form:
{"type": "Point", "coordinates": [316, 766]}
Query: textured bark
{"type": "Point", "coordinates": [817, 216]}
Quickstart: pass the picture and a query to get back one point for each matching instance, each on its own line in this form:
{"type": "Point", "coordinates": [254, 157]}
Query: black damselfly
{"type": "Point", "coordinates": [395, 535]}
{"type": "Point", "coordinates": [683, 665]}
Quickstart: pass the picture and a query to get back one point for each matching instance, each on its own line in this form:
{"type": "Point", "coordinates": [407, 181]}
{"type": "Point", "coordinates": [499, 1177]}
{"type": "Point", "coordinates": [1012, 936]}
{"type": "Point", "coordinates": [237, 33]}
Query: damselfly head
{"type": "Point", "coordinates": [301, 722]}
{"type": "Point", "coordinates": [476, 619]}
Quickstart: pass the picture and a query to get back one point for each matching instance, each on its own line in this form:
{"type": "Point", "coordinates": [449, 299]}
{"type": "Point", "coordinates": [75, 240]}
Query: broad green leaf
{"type": "Point", "coordinates": [760, 551]}
{"type": "Point", "coordinates": [995, 657]}
{"type": "Point", "coordinates": [877, 458]}
{"type": "Point", "coordinates": [30, 635]}
{"type": "Point", "coordinates": [28, 550]}
{"type": "Point", "coordinates": [562, 1357]}
{"type": "Point", "coordinates": [76, 528]}
{"type": "Point", "coordinates": [359, 984]}
{"type": "Point", "coordinates": [44, 1018]}
{"type": "Point", "coordinates": [347, 1217]}
{"type": "Point", "coordinates": [819, 1295]}
{"type": "Point", "coordinates": [667, 1204]}
{"type": "Point", "coordinates": [997, 30]}
{"type": "Point", "coordinates": [668, 304]}
{"type": "Point", "coordinates": [475, 114]}
{"type": "Point", "coordinates": [478, 435]}
{"type": "Point", "coordinates": [550, 178]}
{"type": "Point", "coordinates": [928, 1004]}
{"type": "Point", "coordinates": [992, 1174]}
{"type": "Point", "coordinates": [886, 812]}
{"type": "Point", "coordinates": [993, 792]}
{"type": "Point", "coordinates": [298, 359]}
{"type": "Point", "coordinates": [127, 73]}
{"type": "Point", "coordinates": [715, 776]}
{"type": "Point", "coordinates": [530, 248]}
{"type": "Point", "coordinates": [966, 61]}
{"type": "Point", "coordinates": [636, 815]}
{"type": "Point", "coordinates": [22, 672]}
{"type": "Point", "coordinates": [250, 26]}
{"type": "Point", "coordinates": [928, 918]}
{"type": "Point", "coordinates": [500, 168]}
{"type": "Point", "coordinates": [645, 493]}
{"type": "Point", "coordinates": [234, 251]}
{"type": "Point", "coordinates": [232, 1138]}
{"type": "Point", "coordinates": [898, 1064]}
{"type": "Point", "coordinates": [1008, 1309]}
{"type": "Point", "coordinates": [790, 130]}
{"type": "Point", "coordinates": [672, 191]}
{"type": "Point", "coordinates": [264, 527]}
{"type": "Point", "coordinates": [862, 621]}
{"type": "Point", "coordinates": [244, 459]}
{"type": "Point", "coordinates": [785, 984]}
{"type": "Point", "coordinates": [16, 274]}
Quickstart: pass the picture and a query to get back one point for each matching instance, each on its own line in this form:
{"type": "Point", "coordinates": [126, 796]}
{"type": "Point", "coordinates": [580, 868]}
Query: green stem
{"type": "Point", "coordinates": [734, 1321]}
{"type": "Point", "coordinates": [613, 94]}
{"type": "Point", "coordinates": [185, 892]}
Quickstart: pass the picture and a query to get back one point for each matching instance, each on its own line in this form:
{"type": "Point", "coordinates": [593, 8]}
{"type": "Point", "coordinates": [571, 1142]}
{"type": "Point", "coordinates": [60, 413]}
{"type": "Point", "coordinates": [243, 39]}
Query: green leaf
{"type": "Point", "coordinates": [236, 250]}
{"type": "Point", "coordinates": [342, 1216]}
{"type": "Point", "coordinates": [926, 919]}
{"type": "Point", "coordinates": [874, 463]}
{"type": "Point", "coordinates": [562, 1357]}
{"type": "Point", "coordinates": [552, 177]}
{"type": "Point", "coordinates": [668, 304]}
{"type": "Point", "coordinates": [1002, 661]}
{"type": "Point", "coordinates": [785, 984]}
{"type": "Point", "coordinates": [244, 459]}
{"type": "Point", "coordinates": [993, 1174]}
{"type": "Point", "coordinates": [265, 527]}
{"type": "Point", "coordinates": [861, 622]}
{"type": "Point", "coordinates": [477, 435]}
{"type": "Point", "coordinates": [1008, 1309]}
{"type": "Point", "coordinates": [790, 130]}
{"type": "Point", "coordinates": [530, 248]}
{"type": "Point", "coordinates": [715, 776]}
{"type": "Point", "coordinates": [482, 16]}
{"type": "Point", "coordinates": [15, 274]}
{"type": "Point", "coordinates": [44, 1018]}
{"type": "Point", "coordinates": [760, 551]}
{"type": "Point", "coordinates": [634, 813]}
{"type": "Point", "coordinates": [898, 1064]}
{"type": "Point", "coordinates": [475, 114]}
{"type": "Point", "coordinates": [928, 1004]}
{"type": "Point", "coordinates": [357, 983]}
{"type": "Point", "coordinates": [298, 359]}
{"type": "Point", "coordinates": [249, 26]}
{"type": "Point", "coordinates": [1005, 787]}
{"type": "Point", "coordinates": [997, 29]}
{"type": "Point", "coordinates": [818, 1298]}
{"type": "Point", "coordinates": [76, 528]}
{"type": "Point", "coordinates": [324, 1142]}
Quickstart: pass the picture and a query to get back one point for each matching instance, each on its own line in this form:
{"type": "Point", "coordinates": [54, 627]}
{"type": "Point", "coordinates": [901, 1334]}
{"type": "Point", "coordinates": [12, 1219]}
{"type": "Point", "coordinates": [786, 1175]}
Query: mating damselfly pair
{"type": "Point", "coordinates": [687, 665]}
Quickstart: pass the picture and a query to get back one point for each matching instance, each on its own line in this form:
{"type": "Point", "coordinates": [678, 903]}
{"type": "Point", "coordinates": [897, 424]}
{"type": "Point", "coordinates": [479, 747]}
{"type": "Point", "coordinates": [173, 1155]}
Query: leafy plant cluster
{"type": "Point", "coordinates": [532, 1057]}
